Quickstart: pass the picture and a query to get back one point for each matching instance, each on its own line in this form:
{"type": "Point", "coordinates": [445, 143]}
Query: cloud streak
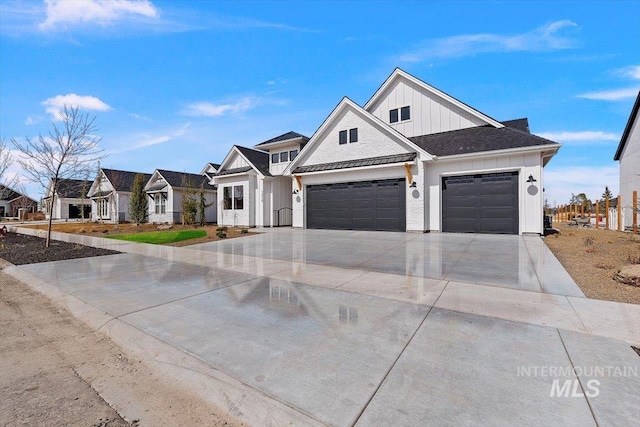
{"type": "Point", "coordinates": [612, 95]}
{"type": "Point", "coordinates": [60, 14]}
{"type": "Point", "coordinates": [146, 140]}
{"type": "Point", "coordinates": [222, 108]}
{"type": "Point", "coordinates": [55, 105]}
{"type": "Point", "coordinates": [581, 137]}
{"type": "Point", "coordinates": [548, 37]}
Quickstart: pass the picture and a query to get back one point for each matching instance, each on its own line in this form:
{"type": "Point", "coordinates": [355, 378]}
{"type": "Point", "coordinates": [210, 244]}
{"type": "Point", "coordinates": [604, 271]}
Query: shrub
{"type": "Point", "coordinates": [221, 229]}
{"type": "Point", "coordinates": [221, 234]}
{"type": "Point", "coordinates": [244, 231]}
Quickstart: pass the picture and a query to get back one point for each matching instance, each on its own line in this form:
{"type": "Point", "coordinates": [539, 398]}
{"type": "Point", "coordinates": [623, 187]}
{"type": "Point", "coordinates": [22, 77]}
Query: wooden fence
{"type": "Point", "coordinates": [611, 214]}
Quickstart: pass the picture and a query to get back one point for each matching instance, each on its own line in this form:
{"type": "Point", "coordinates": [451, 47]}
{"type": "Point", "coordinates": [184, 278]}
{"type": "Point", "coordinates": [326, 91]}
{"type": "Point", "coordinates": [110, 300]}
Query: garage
{"type": "Point", "coordinates": [483, 203]}
{"type": "Point", "coordinates": [366, 205]}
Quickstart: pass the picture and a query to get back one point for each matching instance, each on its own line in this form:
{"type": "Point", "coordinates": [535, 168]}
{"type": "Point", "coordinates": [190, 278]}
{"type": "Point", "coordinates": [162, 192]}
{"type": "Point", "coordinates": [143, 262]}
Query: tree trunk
{"type": "Point", "coordinates": [48, 240]}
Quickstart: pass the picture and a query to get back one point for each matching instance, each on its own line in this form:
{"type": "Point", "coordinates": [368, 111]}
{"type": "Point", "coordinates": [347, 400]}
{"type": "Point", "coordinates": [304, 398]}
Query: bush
{"type": "Point", "coordinates": [219, 229]}
{"type": "Point", "coordinates": [221, 234]}
{"type": "Point", "coordinates": [244, 231]}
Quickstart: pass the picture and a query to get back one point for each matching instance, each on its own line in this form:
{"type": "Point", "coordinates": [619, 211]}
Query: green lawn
{"type": "Point", "coordinates": [161, 237]}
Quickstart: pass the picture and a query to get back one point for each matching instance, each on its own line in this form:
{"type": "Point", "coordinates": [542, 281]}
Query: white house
{"type": "Point", "coordinates": [252, 190]}
{"type": "Point", "coordinates": [70, 201]}
{"type": "Point", "coordinates": [210, 170]}
{"type": "Point", "coordinates": [110, 193]}
{"type": "Point", "coordinates": [628, 154]}
{"type": "Point", "coordinates": [416, 159]}
{"type": "Point", "coordinates": [166, 189]}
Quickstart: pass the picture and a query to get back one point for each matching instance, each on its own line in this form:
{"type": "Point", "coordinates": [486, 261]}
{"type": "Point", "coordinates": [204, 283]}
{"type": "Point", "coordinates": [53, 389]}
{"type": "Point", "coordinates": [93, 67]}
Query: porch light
{"type": "Point", "coordinates": [531, 179]}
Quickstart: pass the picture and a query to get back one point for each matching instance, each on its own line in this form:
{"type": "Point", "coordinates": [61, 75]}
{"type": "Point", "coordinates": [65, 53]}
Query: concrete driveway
{"type": "Point", "coordinates": [315, 327]}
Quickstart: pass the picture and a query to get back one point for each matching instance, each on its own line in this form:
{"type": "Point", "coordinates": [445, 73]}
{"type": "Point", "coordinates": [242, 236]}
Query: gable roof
{"type": "Point", "coordinates": [123, 180]}
{"type": "Point", "coordinates": [520, 124]}
{"type": "Point", "coordinates": [72, 188]}
{"type": "Point", "coordinates": [399, 74]}
{"type": "Point", "coordinates": [347, 103]}
{"type": "Point", "coordinates": [258, 158]}
{"type": "Point", "coordinates": [627, 129]}
{"type": "Point", "coordinates": [9, 194]}
{"type": "Point", "coordinates": [477, 140]}
{"type": "Point", "coordinates": [284, 137]}
{"type": "Point", "coordinates": [178, 179]}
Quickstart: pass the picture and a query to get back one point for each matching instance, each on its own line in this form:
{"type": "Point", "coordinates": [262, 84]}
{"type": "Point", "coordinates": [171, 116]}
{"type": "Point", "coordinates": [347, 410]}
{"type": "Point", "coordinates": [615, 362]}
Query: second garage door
{"type": "Point", "coordinates": [366, 205]}
{"type": "Point", "coordinates": [486, 203]}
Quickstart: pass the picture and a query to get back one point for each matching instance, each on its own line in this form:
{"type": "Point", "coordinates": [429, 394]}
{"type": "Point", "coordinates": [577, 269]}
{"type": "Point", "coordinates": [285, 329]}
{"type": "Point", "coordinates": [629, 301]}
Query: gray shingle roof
{"type": "Point", "coordinates": [179, 179]}
{"type": "Point", "coordinates": [73, 188]}
{"type": "Point", "coordinates": [383, 160]}
{"type": "Point", "coordinates": [520, 124]}
{"type": "Point", "coordinates": [123, 180]}
{"type": "Point", "coordinates": [259, 159]}
{"type": "Point", "coordinates": [8, 194]}
{"type": "Point", "coordinates": [234, 170]}
{"type": "Point", "coordinates": [476, 140]}
{"type": "Point", "coordinates": [284, 137]}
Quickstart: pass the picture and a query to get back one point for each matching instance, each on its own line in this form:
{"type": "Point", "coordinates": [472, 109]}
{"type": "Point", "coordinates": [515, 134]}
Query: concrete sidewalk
{"type": "Point", "coordinates": [278, 340]}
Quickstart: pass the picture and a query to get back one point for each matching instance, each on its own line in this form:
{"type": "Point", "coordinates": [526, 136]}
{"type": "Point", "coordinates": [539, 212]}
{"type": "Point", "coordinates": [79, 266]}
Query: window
{"type": "Point", "coordinates": [405, 113]}
{"type": "Point", "coordinates": [353, 135]}
{"type": "Point", "coordinates": [103, 208]}
{"type": "Point", "coordinates": [393, 116]}
{"type": "Point", "coordinates": [284, 157]}
{"type": "Point", "coordinates": [238, 202]}
{"type": "Point", "coordinates": [274, 158]}
{"type": "Point", "coordinates": [293, 154]}
{"type": "Point", "coordinates": [160, 203]}
{"type": "Point", "coordinates": [226, 200]}
{"type": "Point", "coordinates": [342, 137]}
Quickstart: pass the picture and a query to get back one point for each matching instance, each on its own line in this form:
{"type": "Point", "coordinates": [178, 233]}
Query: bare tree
{"type": "Point", "coordinates": [69, 151]}
{"type": "Point", "coordinates": [6, 183]}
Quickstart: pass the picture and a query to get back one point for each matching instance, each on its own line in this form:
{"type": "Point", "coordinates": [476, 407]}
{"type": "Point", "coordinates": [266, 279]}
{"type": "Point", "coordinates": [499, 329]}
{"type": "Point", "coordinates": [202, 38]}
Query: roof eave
{"type": "Point", "coordinates": [627, 129]}
{"type": "Point", "coordinates": [552, 148]}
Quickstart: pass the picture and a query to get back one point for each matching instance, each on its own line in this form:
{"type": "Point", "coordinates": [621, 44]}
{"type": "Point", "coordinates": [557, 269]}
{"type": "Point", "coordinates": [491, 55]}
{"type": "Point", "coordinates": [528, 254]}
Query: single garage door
{"type": "Point", "coordinates": [486, 203]}
{"type": "Point", "coordinates": [366, 205]}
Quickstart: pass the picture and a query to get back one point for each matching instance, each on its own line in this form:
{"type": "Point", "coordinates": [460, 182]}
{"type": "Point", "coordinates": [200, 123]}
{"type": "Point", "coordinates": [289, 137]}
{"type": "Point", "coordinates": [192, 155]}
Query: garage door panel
{"type": "Point", "coordinates": [483, 203]}
{"type": "Point", "coordinates": [366, 205]}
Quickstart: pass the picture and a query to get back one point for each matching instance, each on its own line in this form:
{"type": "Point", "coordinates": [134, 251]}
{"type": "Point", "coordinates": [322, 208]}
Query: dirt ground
{"type": "Point", "coordinates": [49, 361]}
{"type": "Point", "coordinates": [592, 257]}
{"type": "Point", "coordinates": [103, 230]}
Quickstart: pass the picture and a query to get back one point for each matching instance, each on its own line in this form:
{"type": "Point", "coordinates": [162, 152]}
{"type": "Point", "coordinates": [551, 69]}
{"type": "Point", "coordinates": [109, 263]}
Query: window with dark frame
{"type": "Point", "coordinates": [353, 135]}
{"type": "Point", "coordinates": [393, 116]}
{"type": "Point", "coordinates": [342, 139]}
{"type": "Point", "coordinates": [293, 154]}
{"type": "Point", "coordinates": [275, 158]}
{"type": "Point", "coordinates": [238, 200]}
{"type": "Point", "coordinates": [284, 157]}
{"type": "Point", "coordinates": [226, 204]}
{"type": "Point", "coordinates": [405, 113]}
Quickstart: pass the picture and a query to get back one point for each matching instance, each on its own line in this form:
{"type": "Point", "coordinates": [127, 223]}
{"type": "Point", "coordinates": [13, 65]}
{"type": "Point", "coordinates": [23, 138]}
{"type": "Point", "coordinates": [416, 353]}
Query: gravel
{"type": "Point", "coordinates": [21, 249]}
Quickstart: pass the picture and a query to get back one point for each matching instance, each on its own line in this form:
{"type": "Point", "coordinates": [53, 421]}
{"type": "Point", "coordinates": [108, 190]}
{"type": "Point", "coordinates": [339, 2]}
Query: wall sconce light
{"type": "Point", "coordinates": [413, 185]}
{"type": "Point", "coordinates": [295, 191]}
{"type": "Point", "coordinates": [531, 179]}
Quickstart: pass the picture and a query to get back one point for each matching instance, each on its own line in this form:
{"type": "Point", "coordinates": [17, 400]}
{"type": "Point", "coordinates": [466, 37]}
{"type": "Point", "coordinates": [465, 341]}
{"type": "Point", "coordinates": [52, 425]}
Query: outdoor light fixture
{"type": "Point", "coordinates": [413, 185]}
{"type": "Point", "coordinates": [531, 179]}
{"type": "Point", "coordinates": [295, 191]}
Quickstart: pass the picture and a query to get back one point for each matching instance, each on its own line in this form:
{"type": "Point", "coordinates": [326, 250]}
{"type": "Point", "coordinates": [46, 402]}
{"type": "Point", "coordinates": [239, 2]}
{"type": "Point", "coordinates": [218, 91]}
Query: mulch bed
{"type": "Point", "coordinates": [21, 249]}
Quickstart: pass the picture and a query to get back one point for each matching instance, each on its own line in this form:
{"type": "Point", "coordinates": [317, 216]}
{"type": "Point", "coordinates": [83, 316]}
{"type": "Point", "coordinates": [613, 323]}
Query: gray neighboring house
{"type": "Point", "coordinates": [12, 201]}
{"type": "Point", "coordinates": [70, 201]}
{"type": "Point", "coordinates": [628, 154]}
{"type": "Point", "coordinates": [110, 194]}
{"type": "Point", "coordinates": [166, 189]}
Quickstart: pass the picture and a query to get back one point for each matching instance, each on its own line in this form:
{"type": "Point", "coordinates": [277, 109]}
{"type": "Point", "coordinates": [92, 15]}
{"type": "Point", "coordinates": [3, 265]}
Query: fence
{"type": "Point", "coordinates": [611, 214]}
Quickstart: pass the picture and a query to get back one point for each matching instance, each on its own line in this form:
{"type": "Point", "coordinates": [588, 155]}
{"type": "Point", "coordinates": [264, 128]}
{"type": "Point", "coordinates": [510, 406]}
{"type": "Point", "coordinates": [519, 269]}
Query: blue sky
{"type": "Point", "coordinates": [174, 84]}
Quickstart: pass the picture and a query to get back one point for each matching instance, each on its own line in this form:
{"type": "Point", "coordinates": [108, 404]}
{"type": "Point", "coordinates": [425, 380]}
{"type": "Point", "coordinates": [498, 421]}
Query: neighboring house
{"type": "Point", "coordinates": [628, 154]}
{"type": "Point", "coordinates": [110, 193]}
{"type": "Point", "coordinates": [166, 190]}
{"type": "Point", "coordinates": [416, 159]}
{"type": "Point", "coordinates": [210, 170]}
{"type": "Point", "coordinates": [70, 201]}
{"type": "Point", "coordinates": [12, 201]}
{"type": "Point", "coordinates": [252, 190]}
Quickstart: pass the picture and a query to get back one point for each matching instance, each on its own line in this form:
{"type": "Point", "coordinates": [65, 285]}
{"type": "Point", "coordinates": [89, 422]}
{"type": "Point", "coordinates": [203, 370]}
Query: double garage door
{"type": "Point", "coordinates": [486, 203]}
{"type": "Point", "coordinates": [365, 205]}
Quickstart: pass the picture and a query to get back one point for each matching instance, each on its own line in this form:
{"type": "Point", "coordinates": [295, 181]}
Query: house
{"type": "Point", "coordinates": [252, 189]}
{"type": "Point", "coordinates": [628, 154]}
{"type": "Point", "coordinates": [11, 201]}
{"type": "Point", "coordinates": [417, 159]}
{"type": "Point", "coordinates": [166, 190]}
{"type": "Point", "coordinates": [110, 193]}
{"type": "Point", "coordinates": [70, 201]}
{"type": "Point", "coordinates": [210, 170]}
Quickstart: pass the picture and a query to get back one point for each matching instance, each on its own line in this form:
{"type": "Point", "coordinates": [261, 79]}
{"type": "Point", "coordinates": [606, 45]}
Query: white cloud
{"type": "Point", "coordinates": [588, 137]}
{"type": "Point", "coordinates": [544, 38]}
{"type": "Point", "coordinates": [561, 181]}
{"type": "Point", "coordinates": [209, 109]}
{"type": "Point", "coordinates": [630, 72]}
{"type": "Point", "coordinates": [145, 140]}
{"type": "Point", "coordinates": [102, 12]}
{"type": "Point", "coordinates": [32, 120]}
{"type": "Point", "coordinates": [54, 105]}
{"type": "Point", "coordinates": [612, 95]}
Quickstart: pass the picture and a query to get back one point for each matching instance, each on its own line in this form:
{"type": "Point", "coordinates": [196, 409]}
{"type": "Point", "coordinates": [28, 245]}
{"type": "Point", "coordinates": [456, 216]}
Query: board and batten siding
{"type": "Point", "coordinates": [630, 171]}
{"type": "Point", "coordinates": [234, 217]}
{"type": "Point", "coordinates": [278, 168]}
{"type": "Point", "coordinates": [530, 206]}
{"type": "Point", "coordinates": [371, 142]}
{"type": "Point", "coordinates": [429, 112]}
{"type": "Point", "coordinates": [237, 161]}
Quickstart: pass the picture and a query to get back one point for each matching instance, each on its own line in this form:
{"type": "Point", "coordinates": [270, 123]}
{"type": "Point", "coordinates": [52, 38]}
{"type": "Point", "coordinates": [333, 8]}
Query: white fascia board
{"type": "Point", "coordinates": [234, 175]}
{"type": "Point", "coordinates": [400, 73]}
{"type": "Point", "coordinates": [262, 147]}
{"type": "Point", "coordinates": [552, 148]}
{"type": "Point", "coordinates": [383, 127]}
{"type": "Point", "coordinates": [152, 178]}
{"type": "Point", "coordinates": [389, 165]}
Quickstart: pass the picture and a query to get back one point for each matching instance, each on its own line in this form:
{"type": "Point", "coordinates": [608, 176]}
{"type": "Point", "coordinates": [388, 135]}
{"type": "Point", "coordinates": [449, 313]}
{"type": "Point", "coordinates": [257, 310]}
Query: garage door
{"type": "Point", "coordinates": [366, 205]}
{"type": "Point", "coordinates": [485, 203]}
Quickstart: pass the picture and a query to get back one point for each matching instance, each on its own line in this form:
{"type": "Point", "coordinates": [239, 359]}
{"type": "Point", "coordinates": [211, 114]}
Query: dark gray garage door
{"type": "Point", "coordinates": [367, 205]}
{"type": "Point", "coordinates": [480, 203]}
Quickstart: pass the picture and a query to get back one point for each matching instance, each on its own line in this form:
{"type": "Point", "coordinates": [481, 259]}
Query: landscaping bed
{"type": "Point", "coordinates": [21, 249]}
{"type": "Point", "coordinates": [594, 257]}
